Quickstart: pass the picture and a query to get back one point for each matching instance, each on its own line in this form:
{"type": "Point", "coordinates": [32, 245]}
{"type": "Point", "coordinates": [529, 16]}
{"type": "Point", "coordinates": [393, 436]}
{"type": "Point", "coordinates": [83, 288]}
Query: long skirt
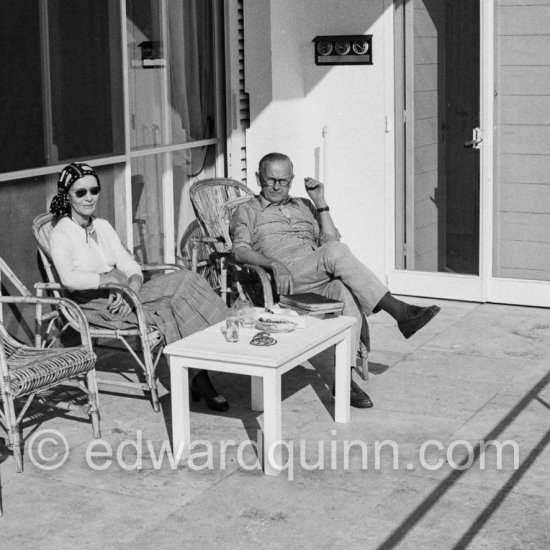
{"type": "Point", "coordinates": [178, 304]}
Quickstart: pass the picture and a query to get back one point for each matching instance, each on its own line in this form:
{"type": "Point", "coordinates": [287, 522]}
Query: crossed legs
{"type": "Point", "coordinates": [333, 271]}
{"type": "Point", "coordinates": [334, 260]}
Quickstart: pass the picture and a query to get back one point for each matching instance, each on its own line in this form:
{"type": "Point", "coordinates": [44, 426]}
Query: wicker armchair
{"type": "Point", "coordinates": [27, 372]}
{"type": "Point", "coordinates": [150, 340]}
{"type": "Point", "coordinates": [214, 201]}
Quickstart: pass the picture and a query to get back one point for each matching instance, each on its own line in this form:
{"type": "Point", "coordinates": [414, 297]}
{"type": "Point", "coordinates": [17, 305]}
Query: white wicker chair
{"type": "Point", "coordinates": [150, 340]}
{"type": "Point", "coordinates": [27, 371]}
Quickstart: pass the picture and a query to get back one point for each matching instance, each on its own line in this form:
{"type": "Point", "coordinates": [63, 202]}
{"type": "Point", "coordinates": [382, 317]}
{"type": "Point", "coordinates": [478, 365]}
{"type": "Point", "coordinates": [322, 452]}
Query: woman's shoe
{"type": "Point", "coordinates": [201, 387]}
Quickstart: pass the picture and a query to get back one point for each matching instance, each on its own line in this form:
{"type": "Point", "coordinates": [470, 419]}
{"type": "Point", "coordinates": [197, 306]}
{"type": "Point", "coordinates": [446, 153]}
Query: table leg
{"type": "Point", "coordinates": [342, 354]}
{"type": "Point", "coordinates": [272, 423]}
{"type": "Point", "coordinates": [256, 393]}
{"type": "Point", "coordinates": [181, 427]}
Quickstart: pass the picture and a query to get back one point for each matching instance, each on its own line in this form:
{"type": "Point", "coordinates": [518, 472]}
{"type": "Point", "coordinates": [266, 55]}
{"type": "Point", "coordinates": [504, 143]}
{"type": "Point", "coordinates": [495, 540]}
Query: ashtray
{"type": "Point", "coordinates": [275, 325]}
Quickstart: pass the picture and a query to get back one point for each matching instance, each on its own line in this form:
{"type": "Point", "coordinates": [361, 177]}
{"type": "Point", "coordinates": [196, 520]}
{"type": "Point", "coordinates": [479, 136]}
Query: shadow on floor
{"type": "Point", "coordinates": [415, 517]}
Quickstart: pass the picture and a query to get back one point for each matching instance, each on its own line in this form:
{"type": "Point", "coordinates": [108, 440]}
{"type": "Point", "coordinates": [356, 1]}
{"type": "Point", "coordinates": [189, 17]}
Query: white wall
{"type": "Point", "coordinates": [290, 109]}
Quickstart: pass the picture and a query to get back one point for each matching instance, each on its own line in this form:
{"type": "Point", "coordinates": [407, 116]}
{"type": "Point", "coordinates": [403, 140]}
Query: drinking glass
{"type": "Point", "coordinates": [232, 327]}
{"type": "Point", "coordinates": [246, 313]}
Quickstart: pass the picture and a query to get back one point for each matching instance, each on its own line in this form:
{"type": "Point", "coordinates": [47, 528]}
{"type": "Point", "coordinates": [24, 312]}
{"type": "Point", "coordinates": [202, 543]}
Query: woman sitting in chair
{"type": "Point", "coordinates": [87, 253]}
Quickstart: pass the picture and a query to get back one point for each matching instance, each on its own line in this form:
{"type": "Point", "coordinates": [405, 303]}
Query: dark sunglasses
{"type": "Point", "coordinates": [80, 193]}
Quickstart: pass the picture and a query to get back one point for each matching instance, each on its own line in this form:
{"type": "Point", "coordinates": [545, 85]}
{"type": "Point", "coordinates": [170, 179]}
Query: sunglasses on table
{"type": "Point", "coordinates": [80, 193]}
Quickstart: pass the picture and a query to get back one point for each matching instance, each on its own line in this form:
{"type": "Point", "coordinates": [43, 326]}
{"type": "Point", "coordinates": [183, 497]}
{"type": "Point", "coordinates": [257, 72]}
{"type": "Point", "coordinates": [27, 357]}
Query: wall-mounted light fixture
{"type": "Point", "coordinates": [355, 49]}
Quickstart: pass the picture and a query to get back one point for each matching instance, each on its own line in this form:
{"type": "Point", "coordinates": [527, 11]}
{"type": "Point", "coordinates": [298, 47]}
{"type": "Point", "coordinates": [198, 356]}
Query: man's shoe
{"type": "Point", "coordinates": [422, 318]}
{"type": "Point", "coordinates": [358, 398]}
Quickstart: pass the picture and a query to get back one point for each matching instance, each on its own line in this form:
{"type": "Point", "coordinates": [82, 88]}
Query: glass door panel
{"type": "Point", "coordinates": [61, 93]}
{"type": "Point", "coordinates": [21, 104]}
{"type": "Point", "coordinates": [175, 100]}
{"type": "Point", "coordinates": [172, 76]}
{"type": "Point", "coordinates": [86, 82]}
{"type": "Point", "coordinates": [147, 208]}
{"type": "Point", "coordinates": [147, 73]}
{"type": "Point", "coordinates": [438, 195]}
{"type": "Point", "coordinates": [191, 65]}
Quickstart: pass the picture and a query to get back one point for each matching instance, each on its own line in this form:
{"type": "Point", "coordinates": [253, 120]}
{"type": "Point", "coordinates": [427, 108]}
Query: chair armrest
{"type": "Point", "coordinates": [219, 255]}
{"type": "Point", "coordinates": [48, 286]}
{"type": "Point", "coordinates": [133, 299]}
{"type": "Point", "coordinates": [205, 239]}
{"type": "Point", "coordinates": [161, 267]}
{"type": "Point", "coordinates": [265, 280]}
{"type": "Point", "coordinates": [59, 302]}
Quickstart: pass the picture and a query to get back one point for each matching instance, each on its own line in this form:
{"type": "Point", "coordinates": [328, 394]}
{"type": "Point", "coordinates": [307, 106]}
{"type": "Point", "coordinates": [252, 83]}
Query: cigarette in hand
{"type": "Point", "coordinates": [314, 183]}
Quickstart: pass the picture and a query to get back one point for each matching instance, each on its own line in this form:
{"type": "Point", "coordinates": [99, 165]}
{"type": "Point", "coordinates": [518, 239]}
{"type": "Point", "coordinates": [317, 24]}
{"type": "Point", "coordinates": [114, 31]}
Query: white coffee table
{"type": "Point", "coordinates": [207, 349]}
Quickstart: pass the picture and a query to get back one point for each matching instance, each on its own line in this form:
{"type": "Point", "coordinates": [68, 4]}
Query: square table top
{"type": "Point", "coordinates": [210, 343]}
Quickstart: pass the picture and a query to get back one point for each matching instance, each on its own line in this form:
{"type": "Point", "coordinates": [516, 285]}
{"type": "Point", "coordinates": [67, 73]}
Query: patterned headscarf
{"type": "Point", "coordinates": [60, 206]}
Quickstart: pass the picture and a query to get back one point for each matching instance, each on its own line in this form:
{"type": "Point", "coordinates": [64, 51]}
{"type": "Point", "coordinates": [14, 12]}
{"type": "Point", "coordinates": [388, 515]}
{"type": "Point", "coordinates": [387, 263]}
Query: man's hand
{"type": "Point", "coordinates": [284, 282]}
{"type": "Point", "coordinates": [316, 191]}
{"type": "Point", "coordinates": [283, 278]}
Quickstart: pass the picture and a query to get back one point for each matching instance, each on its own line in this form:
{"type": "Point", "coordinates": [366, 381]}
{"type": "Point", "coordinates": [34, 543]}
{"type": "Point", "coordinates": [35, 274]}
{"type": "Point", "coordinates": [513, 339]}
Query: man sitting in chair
{"type": "Point", "coordinates": [297, 240]}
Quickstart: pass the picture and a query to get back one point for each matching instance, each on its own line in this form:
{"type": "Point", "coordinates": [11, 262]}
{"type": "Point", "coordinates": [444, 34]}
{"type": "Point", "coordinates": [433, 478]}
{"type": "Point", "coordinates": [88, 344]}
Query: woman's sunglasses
{"type": "Point", "coordinates": [80, 193]}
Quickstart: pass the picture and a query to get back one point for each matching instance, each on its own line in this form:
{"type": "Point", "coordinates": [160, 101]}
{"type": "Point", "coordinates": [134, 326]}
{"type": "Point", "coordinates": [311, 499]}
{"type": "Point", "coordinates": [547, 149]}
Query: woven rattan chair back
{"type": "Point", "coordinates": [42, 227]}
{"type": "Point", "coordinates": [195, 254]}
{"type": "Point", "coordinates": [27, 371]}
{"type": "Point", "coordinates": [214, 201]}
{"type": "Point", "coordinates": [225, 214]}
{"type": "Point", "coordinates": [208, 197]}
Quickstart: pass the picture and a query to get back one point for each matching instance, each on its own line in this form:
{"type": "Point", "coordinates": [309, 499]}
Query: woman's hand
{"type": "Point", "coordinates": [118, 305]}
{"type": "Point", "coordinates": [113, 276]}
{"type": "Point", "coordinates": [125, 307]}
{"type": "Point", "coordinates": [116, 302]}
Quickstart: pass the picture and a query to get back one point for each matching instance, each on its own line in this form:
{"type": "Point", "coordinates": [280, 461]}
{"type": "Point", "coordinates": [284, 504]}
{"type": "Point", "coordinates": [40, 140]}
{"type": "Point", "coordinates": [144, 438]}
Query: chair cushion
{"type": "Point", "coordinates": [34, 368]}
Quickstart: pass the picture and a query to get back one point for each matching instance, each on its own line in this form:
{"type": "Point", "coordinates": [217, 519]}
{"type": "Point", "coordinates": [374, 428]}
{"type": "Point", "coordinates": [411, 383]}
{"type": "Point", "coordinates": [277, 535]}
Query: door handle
{"type": "Point", "coordinates": [477, 138]}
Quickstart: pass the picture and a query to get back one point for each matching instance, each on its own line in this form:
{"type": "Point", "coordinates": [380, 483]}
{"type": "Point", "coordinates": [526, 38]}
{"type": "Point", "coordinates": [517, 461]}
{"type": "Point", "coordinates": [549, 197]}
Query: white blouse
{"type": "Point", "coordinates": [80, 260]}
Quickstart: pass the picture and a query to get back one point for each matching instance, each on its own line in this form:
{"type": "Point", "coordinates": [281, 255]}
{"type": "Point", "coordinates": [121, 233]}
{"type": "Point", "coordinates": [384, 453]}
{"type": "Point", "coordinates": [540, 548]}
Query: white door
{"type": "Point", "coordinates": [438, 163]}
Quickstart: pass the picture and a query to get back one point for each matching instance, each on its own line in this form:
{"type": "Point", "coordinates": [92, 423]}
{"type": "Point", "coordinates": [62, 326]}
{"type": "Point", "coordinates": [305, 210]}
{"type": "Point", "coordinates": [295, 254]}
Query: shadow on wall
{"type": "Point", "coordinates": [279, 50]}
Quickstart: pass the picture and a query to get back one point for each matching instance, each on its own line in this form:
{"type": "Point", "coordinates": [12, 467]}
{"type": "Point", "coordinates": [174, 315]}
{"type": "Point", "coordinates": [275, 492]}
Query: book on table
{"type": "Point", "coordinates": [310, 302]}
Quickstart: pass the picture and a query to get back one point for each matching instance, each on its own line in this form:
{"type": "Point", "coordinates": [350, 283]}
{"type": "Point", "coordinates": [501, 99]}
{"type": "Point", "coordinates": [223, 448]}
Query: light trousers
{"type": "Point", "coordinates": [334, 272]}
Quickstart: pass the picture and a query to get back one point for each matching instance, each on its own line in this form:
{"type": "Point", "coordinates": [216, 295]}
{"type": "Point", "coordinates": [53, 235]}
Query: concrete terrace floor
{"type": "Point", "coordinates": [476, 373]}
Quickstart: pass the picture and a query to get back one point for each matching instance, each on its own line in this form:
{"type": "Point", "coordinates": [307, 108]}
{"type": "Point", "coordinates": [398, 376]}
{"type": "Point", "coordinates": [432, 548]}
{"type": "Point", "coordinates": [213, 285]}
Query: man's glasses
{"type": "Point", "coordinates": [270, 182]}
{"type": "Point", "coordinates": [81, 193]}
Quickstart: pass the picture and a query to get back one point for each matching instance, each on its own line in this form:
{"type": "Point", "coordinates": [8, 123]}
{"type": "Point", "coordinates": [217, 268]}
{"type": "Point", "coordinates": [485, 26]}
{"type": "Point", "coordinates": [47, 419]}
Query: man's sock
{"type": "Point", "coordinates": [400, 311]}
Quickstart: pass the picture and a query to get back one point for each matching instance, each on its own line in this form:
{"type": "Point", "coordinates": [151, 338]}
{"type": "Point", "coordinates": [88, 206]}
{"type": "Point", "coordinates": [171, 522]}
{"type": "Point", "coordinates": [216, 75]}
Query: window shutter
{"type": "Point", "coordinates": [244, 105]}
